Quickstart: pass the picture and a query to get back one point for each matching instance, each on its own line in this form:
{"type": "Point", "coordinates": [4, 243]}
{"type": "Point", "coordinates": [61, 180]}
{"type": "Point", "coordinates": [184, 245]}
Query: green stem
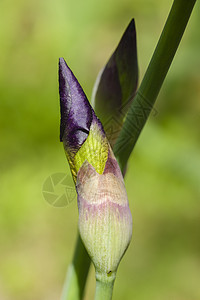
{"type": "Point", "coordinates": [103, 290]}
{"type": "Point", "coordinates": [76, 274]}
{"type": "Point", "coordinates": [135, 120]}
{"type": "Point", "coordinates": [153, 79]}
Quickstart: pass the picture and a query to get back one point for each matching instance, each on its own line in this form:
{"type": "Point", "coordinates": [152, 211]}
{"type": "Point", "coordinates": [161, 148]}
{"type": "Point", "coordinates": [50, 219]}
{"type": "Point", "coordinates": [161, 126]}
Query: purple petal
{"type": "Point", "coordinates": [76, 112]}
{"type": "Point", "coordinates": [116, 85]}
{"type": "Point", "coordinates": [126, 59]}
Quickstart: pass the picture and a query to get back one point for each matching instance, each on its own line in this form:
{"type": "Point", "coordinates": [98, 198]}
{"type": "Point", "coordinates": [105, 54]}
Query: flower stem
{"type": "Point", "coordinates": [153, 79]}
{"type": "Point", "coordinates": [103, 290]}
{"type": "Point", "coordinates": [135, 120]}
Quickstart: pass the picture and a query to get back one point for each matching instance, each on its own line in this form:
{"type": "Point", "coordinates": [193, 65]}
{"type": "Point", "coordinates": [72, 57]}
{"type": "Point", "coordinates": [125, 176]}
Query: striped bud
{"type": "Point", "coordinates": [105, 222]}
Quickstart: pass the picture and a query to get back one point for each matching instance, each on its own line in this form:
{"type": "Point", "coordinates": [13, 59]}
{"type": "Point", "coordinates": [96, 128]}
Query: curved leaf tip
{"type": "Point", "coordinates": [116, 84]}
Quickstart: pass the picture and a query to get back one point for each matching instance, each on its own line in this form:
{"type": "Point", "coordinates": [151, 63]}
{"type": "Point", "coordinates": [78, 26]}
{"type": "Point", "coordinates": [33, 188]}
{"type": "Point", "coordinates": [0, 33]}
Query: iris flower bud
{"type": "Point", "coordinates": [105, 222]}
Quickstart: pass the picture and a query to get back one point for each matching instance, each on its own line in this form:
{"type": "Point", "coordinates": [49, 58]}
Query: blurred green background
{"type": "Point", "coordinates": [163, 178]}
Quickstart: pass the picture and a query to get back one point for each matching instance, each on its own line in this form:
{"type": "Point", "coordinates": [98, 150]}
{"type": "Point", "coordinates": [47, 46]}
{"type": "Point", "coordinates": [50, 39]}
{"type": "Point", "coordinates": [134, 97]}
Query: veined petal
{"type": "Point", "coordinates": [105, 221]}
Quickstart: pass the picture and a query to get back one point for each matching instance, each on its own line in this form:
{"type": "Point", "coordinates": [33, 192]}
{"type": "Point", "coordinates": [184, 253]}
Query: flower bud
{"type": "Point", "coordinates": [105, 222]}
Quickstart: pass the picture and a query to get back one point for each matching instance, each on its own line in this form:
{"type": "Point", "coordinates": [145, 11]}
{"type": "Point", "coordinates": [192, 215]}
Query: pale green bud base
{"type": "Point", "coordinates": [77, 273]}
{"type": "Point", "coordinates": [107, 278]}
{"type": "Point", "coordinates": [104, 290]}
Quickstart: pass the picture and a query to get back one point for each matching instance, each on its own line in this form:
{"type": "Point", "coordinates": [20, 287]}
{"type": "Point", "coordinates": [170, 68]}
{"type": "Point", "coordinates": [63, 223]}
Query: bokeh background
{"type": "Point", "coordinates": [163, 177]}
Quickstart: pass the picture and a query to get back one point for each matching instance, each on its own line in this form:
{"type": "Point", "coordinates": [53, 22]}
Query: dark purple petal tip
{"type": "Point", "coordinates": [76, 112]}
